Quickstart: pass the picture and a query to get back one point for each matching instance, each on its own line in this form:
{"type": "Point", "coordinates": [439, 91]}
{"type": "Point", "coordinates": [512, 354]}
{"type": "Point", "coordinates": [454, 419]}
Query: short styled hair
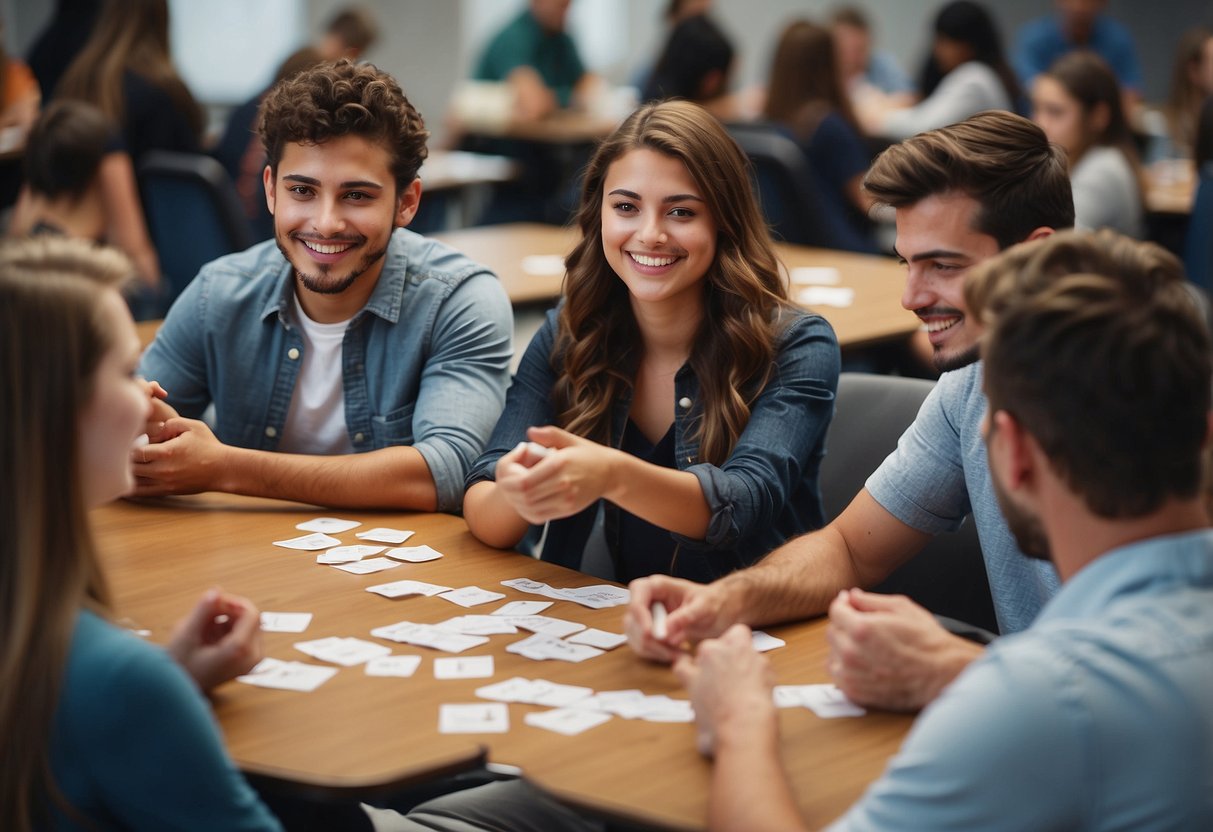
{"type": "Point", "coordinates": [329, 101]}
{"type": "Point", "coordinates": [355, 27]}
{"type": "Point", "coordinates": [64, 149]}
{"type": "Point", "coordinates": [1002, 160]}
{"type": "Point", "coordinates": [1098, 349]}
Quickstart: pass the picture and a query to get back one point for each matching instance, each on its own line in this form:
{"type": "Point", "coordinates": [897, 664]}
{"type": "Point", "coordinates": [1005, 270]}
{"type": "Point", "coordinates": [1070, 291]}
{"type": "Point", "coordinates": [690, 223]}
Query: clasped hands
{"type": "Point", "coordinates": [555, 474]}
{"type": "Point", "coordinates": [182, 456]}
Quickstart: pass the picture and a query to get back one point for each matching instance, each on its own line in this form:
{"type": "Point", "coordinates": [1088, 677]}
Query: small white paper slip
{"type": "Point", "coordinates": [838, 296]}
{"type": "Point", "coordinates": [393, 666]}
{"type": "Point", "coordinates": [413, 554]}
{"type": "Point", "coordinates": [471, 596]}
{"type": "Point", "coordinates": [815, 276]}
{"type": "Point", "coordinates": [297, 676]}
{"type": "Point", "coordinates": [384, 535]}
{"type": "Point", "coordinates": [328, 525]}
{"type": "Point", "coordinates": [516, 689]}
{"type": "Point", "coordinates": [346, 652]}
{"type": "Point", "coordinates": [477, 718]}
{"type": "Point", "coordinates": [556, 695]}
{"type": "Point", "coordinates": [285, 622]}
{"type": "Point", "coordinates": [567, 721]}
{"type": "Point", "coordinates": [368, 566]}
{"type": "Point", "coordinates": [464, 667]}
{"type": "Point", "coordinates": [543, 264]}
{"type": "Point", "coordinates": [598, 638]}
{"type": "Point", "coordinates": [555, 627]}
{"type": "Point", "coordinates": [533, 587]}
{"type": "Point", "coordinates": [789, 696]}
{"type": "Point", "coordinates": [426, 635]}
{"type": "Point", "coordinates": [309, 542]}
{"type": "Point", "coordinates": [625, 703]}
{"type": "Point", "coordinates": [540, 647]}
{"type": "Point", "coordinates": [662, 708]}
{"type": "Point", "coordinates": [398, 589]}
{"type": "Point", "coordinates": [828, 702]}
{"type": "Point", "coordinates": [516, 608]}
{"type": "Point", "coordinates": [347, 554]}
{"type": "Point", "coordinates": [763, 641]}
{"type": "Point", "coordinates": [478, 625]}
{"type": "Point", "coordinates": [598, 596]}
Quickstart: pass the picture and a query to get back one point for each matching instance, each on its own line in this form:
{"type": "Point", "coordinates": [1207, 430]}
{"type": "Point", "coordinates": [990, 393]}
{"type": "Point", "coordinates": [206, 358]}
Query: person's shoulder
{"type": "Point", "coordinates": [1111, 32]}
{"type": "Point", "coordinates": [233, 278]}
{"type": "Point", "coordinates": [110, 662]}
{"type": "Point", "coordinates": [1038, 29]}
{"type": "Point", "coordinates": [795, 325]}
{"type": "Point", "coordinates": [426, 259]}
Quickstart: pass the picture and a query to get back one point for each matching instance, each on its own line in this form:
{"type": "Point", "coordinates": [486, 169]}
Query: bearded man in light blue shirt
{"type": "Point", "coordinates": [1098, 716]}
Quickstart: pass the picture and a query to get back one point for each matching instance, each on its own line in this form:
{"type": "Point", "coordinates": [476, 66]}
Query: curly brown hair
{"type": "Point", "coordinates": [598, 345]}
{"type": "Point", "coordinates": [341, 99]}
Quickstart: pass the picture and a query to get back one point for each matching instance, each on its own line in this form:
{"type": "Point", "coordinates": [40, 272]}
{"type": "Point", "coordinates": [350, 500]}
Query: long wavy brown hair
{"type": "Point", "coordinates": [598, 345]}
{"type": "Point", "coordinates": [50, 291]}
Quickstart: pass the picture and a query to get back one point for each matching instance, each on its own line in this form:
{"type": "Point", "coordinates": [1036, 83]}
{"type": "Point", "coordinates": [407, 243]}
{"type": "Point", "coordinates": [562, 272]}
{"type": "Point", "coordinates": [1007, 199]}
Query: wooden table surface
{"type": "Point", "coordinates": [516, 252]}
{"type": "Point", "coordinates": [360, 735]}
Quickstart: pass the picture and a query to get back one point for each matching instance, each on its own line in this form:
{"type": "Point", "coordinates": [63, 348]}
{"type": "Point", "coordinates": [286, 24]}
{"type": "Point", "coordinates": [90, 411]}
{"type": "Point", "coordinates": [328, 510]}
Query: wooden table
{"type": "Point", "coordinates": [875, 315]}
{"type": "Point", "coordinates": [1170, 186]}
{"type": "Point", "coordinates": [360, 735]}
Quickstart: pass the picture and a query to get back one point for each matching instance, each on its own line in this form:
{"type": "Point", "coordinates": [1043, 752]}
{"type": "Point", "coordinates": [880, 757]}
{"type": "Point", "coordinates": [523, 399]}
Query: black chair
{"type": "Point", "coordinates": [1198, 244]}
{"type": "Point", "coordinates": [790, 195]}
{"type": "Point", "coordinates": [193, 214]}
{"type": "Point", "coordinates": [948, 576]}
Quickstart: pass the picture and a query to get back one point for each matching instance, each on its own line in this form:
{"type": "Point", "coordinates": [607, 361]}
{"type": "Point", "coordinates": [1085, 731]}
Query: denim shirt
{"type": "Point", "coordinates": [425, 362]}
{"type": "Point", "coordinates": [764, 493]}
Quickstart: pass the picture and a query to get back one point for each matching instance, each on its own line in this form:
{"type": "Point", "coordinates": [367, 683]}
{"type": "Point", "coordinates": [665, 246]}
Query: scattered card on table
{"type": "Point", "coordinates": [309, 542]}
{"type": "Point", "coordinates": [598, 596]}
{"type": "Point", "coordinates": [567, 721]}
{"type": "Point", "coordinates": [765, 641]}
{"type": "Point", "coordinates": [298, 676]}
{"type": "Point", "coordinates": [414, 554]}
{"type": "Point", "coordinates": [393, 666]}
{"type": "Point", "coordinates": [285, 622]}
{"type": "Point", "coordinates": [828, 702]}
{"type": "Point", "coordinates": [471, 596]}
{"type": "Point", "coordinates": [598, 638]}
{"type": "Point", "coordinates": [477, 718]}
{"type": "Point", "coordinates": [367, 567]}
{"type": "Point", "coordinates": [478, 625]}
{"type": "Point", "coordinates": [347, 554]}
{"type": "Point", "coordinates": [398, 589]}
{"type": "Point", "coordinates": [516, 608]}
{"type": "Point", "coordinates": [464, 667]}
{"type": "Point", "coordinates": [343, 651]}
{"type": "Point", "coordinates": [384, 535]}
{"type": "Point", "coordinates": [555, 627]}
{"type": "Point", "coordinates": [328, 525]}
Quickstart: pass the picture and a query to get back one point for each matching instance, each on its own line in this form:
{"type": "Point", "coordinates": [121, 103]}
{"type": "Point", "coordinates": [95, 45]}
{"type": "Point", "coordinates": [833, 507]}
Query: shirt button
{"type": "Point", "coordinates": [292, 354]}
{"type": "Point", "coordinates": [684, 403]}
{"type": "Point", "coordinates": [358, 437]}
{"type": "Point", "coordinates": [271, 432]}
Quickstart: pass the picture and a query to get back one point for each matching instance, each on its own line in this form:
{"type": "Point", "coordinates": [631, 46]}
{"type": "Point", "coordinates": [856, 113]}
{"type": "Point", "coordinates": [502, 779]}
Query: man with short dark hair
{"type": "Point", "coordinates": [1098, 716]}
{"type": "Point", "coordinates": [350, 361]}
{"type": "Point", "coordinates": [961, 194]}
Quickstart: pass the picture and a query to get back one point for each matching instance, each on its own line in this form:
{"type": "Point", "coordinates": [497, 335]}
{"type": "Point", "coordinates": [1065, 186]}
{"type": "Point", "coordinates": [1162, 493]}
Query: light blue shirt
{"type": "Point", "coordinates": [886, 74]}
{"type": "Point", "coordinates": [425, 363]}
{"type": "Point", "coordinates": [1042, 41]}
{"type": "Point", "coordinates": [1098, 717]}
{"type": "Point", "coordinates": [939, 474]}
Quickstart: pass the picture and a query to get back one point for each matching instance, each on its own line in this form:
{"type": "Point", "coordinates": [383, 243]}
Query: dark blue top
{"type": "Point", "coordinates": [764, 493]}
{"type": "Point", "coordinates": [644, 548]}
{"type": "Point", "coordinates": [837, 154]}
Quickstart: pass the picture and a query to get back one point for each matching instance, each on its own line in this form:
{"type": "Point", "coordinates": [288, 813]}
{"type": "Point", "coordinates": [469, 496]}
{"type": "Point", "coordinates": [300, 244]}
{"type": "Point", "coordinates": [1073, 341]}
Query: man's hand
{"type": "Point", "coordinates": [161, 411]}
{"type": "Point", "coordinates": [219, 640]}
{"type": "Point", "coordinates": [694, 612]}
{"type": "Point", "coordinates": [730, 686]}
{"type": "Point", "coordinates": [184, 458]}
{"type": "Point", "coordinates": [888, 652]}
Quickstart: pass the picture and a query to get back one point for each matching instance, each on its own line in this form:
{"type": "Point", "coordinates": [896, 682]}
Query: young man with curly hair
{"type": "Point", "coordinates": [350, 362]}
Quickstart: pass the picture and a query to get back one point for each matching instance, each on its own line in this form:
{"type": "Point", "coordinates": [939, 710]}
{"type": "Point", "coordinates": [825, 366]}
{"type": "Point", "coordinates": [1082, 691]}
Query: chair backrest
{"type": "Point", "coordinates": [788, 190]}
{"type": "Point", "coordinates": [1198, 244]}
{"type": "Point", "coordinates": [193, 214]}
{"type": "Point", "coordinates": [948, 576]}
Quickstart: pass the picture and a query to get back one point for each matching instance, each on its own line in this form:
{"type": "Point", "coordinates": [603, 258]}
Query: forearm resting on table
{"type": "Point", "coordinates": [750, 789]}
{"type": "Point", "coordinates": [801, 578]}
{"type": "Point", "coordinates": [396, 477]}
{"type": "Point", "coordinates": [491, 518]}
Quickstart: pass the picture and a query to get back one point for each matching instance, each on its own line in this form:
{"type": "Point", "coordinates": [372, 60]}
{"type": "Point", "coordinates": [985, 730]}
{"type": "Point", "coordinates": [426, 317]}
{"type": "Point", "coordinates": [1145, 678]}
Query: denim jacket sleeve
{"type": "Point", "coordinates": [783, 441]}
{"type": "Point", "coordinates": [527, 403]}
{"type": "Point", "coordinates": [177, 356]}
{"type": "Point", "coordinates": [463, 383]}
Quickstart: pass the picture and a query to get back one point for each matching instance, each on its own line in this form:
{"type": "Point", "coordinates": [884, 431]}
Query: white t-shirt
{"type": "Point", "coordinates": [1106, 194]}
{"type": "Point", "coordinates": [315, 424]}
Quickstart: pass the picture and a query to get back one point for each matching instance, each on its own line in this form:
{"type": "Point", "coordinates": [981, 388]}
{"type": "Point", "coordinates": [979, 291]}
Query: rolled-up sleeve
{"type": "Point", "coordinates": [782, 442]}
{"type": "Point", "coordinates": [464, 382]}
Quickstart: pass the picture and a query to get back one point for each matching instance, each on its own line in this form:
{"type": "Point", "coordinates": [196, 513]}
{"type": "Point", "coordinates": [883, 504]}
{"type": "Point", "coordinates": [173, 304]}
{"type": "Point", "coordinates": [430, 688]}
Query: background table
{"type": "Point", "coordinates": [360, 735]}
{"type": "Point", "coordinates": [875, 315]}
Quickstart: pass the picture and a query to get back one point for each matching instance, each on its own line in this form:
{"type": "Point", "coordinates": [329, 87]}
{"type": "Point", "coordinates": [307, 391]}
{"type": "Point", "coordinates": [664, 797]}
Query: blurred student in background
{"type": "Point", "coordinates": [867, 71]}
{"type": "Point", "coordinates": [1078, 105]}
{"type": "Point", "coordinates": [350, 32]}
{"type": "Point", "coordinates": [695, 64]}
